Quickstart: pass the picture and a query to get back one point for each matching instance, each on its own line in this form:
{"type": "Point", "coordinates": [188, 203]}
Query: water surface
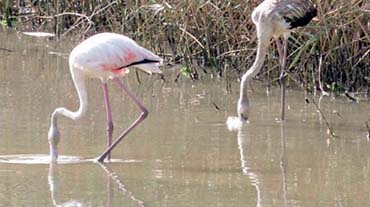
{"type": "Point", "coordinates": [183, 154]}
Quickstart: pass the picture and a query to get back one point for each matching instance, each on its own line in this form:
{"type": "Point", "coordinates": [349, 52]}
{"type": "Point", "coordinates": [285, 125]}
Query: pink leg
{"type": "Point", "coordinates": [142, 116]}
{"type": "Point", "coordinates": [110, 126]}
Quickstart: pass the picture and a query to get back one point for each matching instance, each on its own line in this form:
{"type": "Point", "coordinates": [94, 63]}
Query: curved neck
{"type": "Point", "coordinates": [79, 81]}
{"type": "Point", "coordinates": [253, 71]}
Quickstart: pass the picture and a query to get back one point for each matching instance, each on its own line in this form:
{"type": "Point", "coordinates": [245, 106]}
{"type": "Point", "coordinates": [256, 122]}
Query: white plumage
{"type": "Point", "coordinates": [104, 56]}
{"type": "Point", "coordinates": [274, 18]}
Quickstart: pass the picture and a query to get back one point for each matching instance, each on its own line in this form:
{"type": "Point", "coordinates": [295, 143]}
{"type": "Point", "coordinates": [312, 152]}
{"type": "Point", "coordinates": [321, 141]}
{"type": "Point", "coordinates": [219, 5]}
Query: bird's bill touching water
{"type": "Point", "coordinates": [53, 137]}
{"type": "Point", "coordinates": [243, 109]}
{"type": "Point", "coordinates": [236, 123]}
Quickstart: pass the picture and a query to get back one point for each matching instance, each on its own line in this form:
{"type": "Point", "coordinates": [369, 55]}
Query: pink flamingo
{"type": "Point", "coordinates": [105, 56]}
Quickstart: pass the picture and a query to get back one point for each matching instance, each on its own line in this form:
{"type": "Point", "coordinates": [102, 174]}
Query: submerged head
{"type": "Point", "coordinates": [243, 109]}
{"type": "Point", "coordinates": [53, 137]}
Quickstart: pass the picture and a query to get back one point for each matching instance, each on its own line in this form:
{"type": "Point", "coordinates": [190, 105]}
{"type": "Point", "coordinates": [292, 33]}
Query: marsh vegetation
{"type": "Point", "coordinates": [217, 38]}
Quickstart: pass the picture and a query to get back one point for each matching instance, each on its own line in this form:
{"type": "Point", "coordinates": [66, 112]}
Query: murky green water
{"type": "Point", "coordinates": [183, 153]}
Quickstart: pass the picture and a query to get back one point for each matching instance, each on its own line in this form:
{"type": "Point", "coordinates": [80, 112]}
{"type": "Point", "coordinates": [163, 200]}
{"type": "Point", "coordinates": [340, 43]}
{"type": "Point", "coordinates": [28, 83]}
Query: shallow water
{"type": "Point", "coordinates": [183, 154]}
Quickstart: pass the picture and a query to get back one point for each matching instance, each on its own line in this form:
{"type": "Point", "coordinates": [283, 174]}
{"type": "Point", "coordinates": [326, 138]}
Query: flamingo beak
{"type": "Point", "coordinates": [243, 112]}
{"type": "Point", "coordinates": [53, 154]}
{"type": "Point", "coordinates": [53, 137]}
{"type": "Point", "coordinates": [243, 117]}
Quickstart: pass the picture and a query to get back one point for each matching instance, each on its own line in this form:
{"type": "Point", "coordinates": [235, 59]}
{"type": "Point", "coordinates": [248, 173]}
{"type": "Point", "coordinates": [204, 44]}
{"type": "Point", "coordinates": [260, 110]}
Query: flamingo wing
{"type": "Point", "coordinates": [297, 13]}
{"type": "Point", "coordinates": [113, 54]}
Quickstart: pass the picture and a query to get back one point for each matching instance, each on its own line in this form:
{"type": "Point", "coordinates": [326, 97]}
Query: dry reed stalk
{"type": "Point", "coordinates": [218, 38]}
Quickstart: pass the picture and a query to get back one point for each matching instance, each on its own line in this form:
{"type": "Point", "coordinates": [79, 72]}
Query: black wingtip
{"type": "Point", "coordinates": [302, 20]}
{"type": "Point", "coordinates": [145, 61]}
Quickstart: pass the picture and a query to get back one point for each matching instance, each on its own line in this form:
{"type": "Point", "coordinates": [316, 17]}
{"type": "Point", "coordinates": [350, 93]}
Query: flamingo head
{"type": "Point", "coordinates": [243, 109]}
{"type": "Point", "coordinates": [53, 137]}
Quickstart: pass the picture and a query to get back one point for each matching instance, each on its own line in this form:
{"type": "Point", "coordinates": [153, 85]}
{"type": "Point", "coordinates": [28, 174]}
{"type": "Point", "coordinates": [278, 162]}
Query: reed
{"type": "Point", "coordinates": [217, 37]}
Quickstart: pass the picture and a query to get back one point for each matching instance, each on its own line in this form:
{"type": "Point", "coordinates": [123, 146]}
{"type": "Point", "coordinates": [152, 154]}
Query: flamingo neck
{"type": "Point", "coordinates": [54, 135]}
{"type": "Point", "coordinates": [243, 104]}
{"type": "Point", "coordinates": [79, 82]}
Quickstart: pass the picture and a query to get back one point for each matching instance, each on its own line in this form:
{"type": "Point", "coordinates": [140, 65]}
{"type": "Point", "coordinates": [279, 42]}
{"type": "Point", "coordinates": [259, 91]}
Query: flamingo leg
{"type": "Point", "coordinates": [279, 49]}
{"type": "Point", "coordinates": [142, 116]}
{"type": "Point", "coordinates": [282, 50]}
{"type": "Point", "coordinates": [110, 126]}
{"type": "Point", "coordinates": [283, 78]}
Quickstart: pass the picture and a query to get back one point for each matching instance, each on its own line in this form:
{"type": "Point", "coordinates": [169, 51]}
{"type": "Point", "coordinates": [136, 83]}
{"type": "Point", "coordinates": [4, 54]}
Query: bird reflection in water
{"type": "Point", "coordinates": [112, 181]}
{"type": "Point", "coordinates": [258, 179]}
{"type": "Point", "coordinates": [54, 183]}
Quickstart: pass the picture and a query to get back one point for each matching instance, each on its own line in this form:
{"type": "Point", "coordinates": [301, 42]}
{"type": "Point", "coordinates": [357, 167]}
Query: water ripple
{"type": "Point", "coordinates": [45, 159]}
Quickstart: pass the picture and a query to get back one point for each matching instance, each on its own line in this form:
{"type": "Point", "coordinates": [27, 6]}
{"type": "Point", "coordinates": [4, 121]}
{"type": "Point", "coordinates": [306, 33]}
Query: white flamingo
{"type": "Point", "coordinates": [274, 18]}
{"type": "Point", "coordinates": [104, 56]}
